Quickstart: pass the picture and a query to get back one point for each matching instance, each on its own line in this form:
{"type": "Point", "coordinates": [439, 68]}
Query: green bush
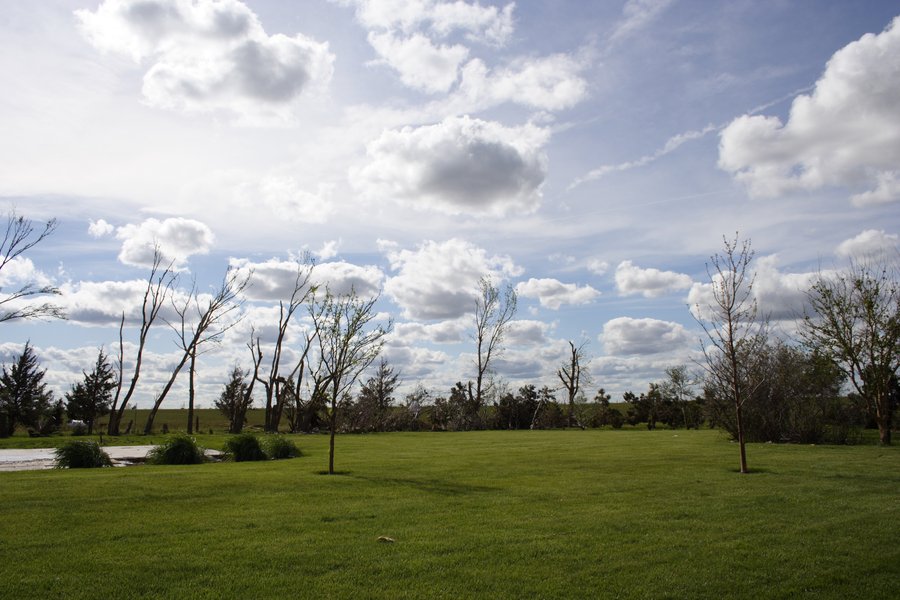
{"type": "Point", "coordinates": [278, 447]}
{"type": "Point", "coordinates": [81, 454]}
{"type": "Point", "coordinates": [180, 450]}
{"type": "Point", "coordinates": [244, 447]}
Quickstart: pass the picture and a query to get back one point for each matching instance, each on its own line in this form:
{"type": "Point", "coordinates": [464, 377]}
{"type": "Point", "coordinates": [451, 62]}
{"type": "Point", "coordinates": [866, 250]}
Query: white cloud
{"type": "Point", "coordinates": [328, 250]}
{"type": "Point", "coordinates": [552, 293]}
{"type": "Point", "coordinates": [208, 55]}
{"type": "Point", "coordinates": [487, 24]}
{"type": "Point", "coordinates": [597, 266]}
{"type": "Point", "coordinates": [342, 277]}
{"type": "Point", "coordinates": [550, 83]}
{"type": "Point", "coordinates": [21, 271]}
{"type": "Point", "coordinates": [461, 165]}
{"type": "Point", "coordinates": [871, 242]}
{"type": "Point", "coordinates": [626, 335]}
{"type": "Point", "coordinates": [846, 133]}
{"type": "Point", "coordinates": [650, 283]}
{"type": "Point", "coordinates": [422, 65]}
{"type": "Point", "coordinates": [525, 332]}
{"type": "Point", "coordinates": [289, 201]}
{"type": "Point", "coordinates": [779, 296]}
{"type": "Point", "coordinates": [451, 331]}
{"type": "Point", "coordinates": [439, 280]}
{"type": "Point", "coordinates": [99, 228]}
{"type": "Point", "coordinates": [177, 239]}
{"type": "Point", "coordinates": [102, 303]}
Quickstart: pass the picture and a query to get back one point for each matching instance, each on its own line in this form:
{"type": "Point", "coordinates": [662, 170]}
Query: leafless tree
{"type": "Point", "coordinates": [855, 321]}
{"type": "Point", "coordinates": [272, 381]}
{"type": "Point", "coordinates": [20, 237]}
{"type": "Point", "coordinates": [493, 313]}
{"type": "Point", "coordinates": [159, 286]}
{"type": "Point", "coordinates": [207, 325]}
{"type": "Point", "coordinates": [571, 374]}
{"type": "Point", "coordinates": [733, 328]}
{"type": "Point", "coordinates": [348, 342]}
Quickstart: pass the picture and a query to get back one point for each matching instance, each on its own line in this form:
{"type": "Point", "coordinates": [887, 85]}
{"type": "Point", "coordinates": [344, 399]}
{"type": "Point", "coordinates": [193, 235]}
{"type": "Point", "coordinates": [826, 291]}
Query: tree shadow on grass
{"type": "Point", "coordinates": [434, 486]}
{"type": "Point", "coordinates": [325, 472]}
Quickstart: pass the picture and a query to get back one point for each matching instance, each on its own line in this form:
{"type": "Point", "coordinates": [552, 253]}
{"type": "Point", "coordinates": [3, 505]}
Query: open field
{"type": "Point", "coordinates": [538, 514]}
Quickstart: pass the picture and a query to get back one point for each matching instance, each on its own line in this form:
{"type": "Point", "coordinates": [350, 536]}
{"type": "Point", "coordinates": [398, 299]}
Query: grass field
{"type": "Point", "coordinates": [528, 514]}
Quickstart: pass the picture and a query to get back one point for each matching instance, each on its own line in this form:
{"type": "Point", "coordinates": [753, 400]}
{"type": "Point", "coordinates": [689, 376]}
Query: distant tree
{"type": "Point", "coordinates": [855, 321]}
{"type": "Point", "coordinates": [516, 411]}
{"type": "Point", "coordinates": [159, 286]}
{"type": "Point", "coordinates": [348, 342]}
{"type": "Point", "coordinates": [375, 398]}
{"type": "Point", "coordinates": [493, 313]}
{"type": "Point", "coordinates": [236, 399]}
{"type": "Point", "coordinates": [734, 330]}
{"type": "Point", "coordinates": [678, 388]}
{"type": "Point", "coordinates": [91, 398]}
{"type": "Point", "coordinates": [19, 238]}
{"type": "Point", "coordinates": [24, 397]}
{"type": "Point", "coordinates": [572, 374]}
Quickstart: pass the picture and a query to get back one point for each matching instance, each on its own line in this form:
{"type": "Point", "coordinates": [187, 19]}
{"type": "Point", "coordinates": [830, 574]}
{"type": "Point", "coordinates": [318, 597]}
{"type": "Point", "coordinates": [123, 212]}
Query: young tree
{"type": "Point", "coordinates": [24, 397]}
{"type": "Point", "coordinates": [19, 238]}
{"type": "Point", "coordinates": [570, 374]}
{"type": "Point", "coordinates": [206, 326]}
{"type": "Point", "coordinates": [159, 286]}
{"type": "Point", "coordinates": [236, 399]}
{"type": "Point", "coordinates": [679, 389]}
{"type": "Point", "coordinates": [855, 321]}
{"type": "Point", "coordinates": [492, 316]}
{"type": "Point", "coordinates": [91, 398]}
{"type": "Point", "coordinates": [348, 342]}
{"type": "Point", "coordinates": [733, 328]}
{"type": "Point", "coordinates": [375, 398]}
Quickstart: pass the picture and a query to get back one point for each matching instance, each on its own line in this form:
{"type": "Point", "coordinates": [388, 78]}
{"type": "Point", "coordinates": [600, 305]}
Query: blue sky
{"type": "Point", "coordinates": [591, 154]}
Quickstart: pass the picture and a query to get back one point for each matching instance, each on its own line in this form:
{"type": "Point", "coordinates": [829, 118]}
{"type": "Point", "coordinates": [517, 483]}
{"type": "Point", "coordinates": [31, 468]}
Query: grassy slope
{"type": "Point", "coordinates": [553, 514]}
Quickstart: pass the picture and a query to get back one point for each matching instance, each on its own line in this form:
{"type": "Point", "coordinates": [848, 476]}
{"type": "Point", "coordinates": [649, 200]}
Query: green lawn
{"type": "Point", "coordinates": [529, 514]}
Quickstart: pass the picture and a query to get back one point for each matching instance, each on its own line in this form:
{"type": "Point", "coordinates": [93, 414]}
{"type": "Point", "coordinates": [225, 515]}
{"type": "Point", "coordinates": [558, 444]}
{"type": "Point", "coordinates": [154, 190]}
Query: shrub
{"type": "Point", "coordinates": [244, 447]}
{"type": "Point", "coordinates": [81, 454]}
{"type": "Point", "coordinates": [180, 450]}
{"type": "Point", "coordinates": [278, 447]}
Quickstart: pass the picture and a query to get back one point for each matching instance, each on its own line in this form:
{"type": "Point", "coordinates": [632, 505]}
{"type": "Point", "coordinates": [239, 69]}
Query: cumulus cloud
{"type": "Point", "coordinates": [461, 165]}
{"type": "Point", "coordinates": [206, 54]}
{"type": "Point", "coordinates": [21, 271]}
{"type": "Point", "coordinates": [597, 266]}
{"type": "Point", "coordinates": [626, 335]}
{"type": "Point", "coordinates": [439, 280]}
{"type": "Point", "coordinates": [328, 250]}
{"type": "Point", "coordinates": [548, 83]}
{"type": "Point", "coordinates": [102, 303]}
{"type": "Point", "coordinates": [488, 24]}
{"type": "Point", "coordinates": [99, 228]}
{"type": "Point", "coordinates": [177, 239]}
{"type": "Point", "coordinates": [869, 243]}
{"type": "Point", "coordinates": [525, 332]}
{"type": "Point", "coordinates": [650, 283]}
{"type": "Point", "coordinates": [552, 293]}
{"type": "Point", "coordinates": [846, 133]}
{"type": "Point", "coordinates": [421, 64]}
{"type": "Point", "coordinates": [276, 279]}
{"type": "Point", "coordinates": [779, 296]}
{"type": "Point", "coordinates": [451, 331]}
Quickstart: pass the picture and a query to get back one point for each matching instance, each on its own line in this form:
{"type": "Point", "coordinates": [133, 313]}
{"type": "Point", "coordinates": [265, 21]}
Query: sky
{"type": "Point", "coordinates": [592, 155]}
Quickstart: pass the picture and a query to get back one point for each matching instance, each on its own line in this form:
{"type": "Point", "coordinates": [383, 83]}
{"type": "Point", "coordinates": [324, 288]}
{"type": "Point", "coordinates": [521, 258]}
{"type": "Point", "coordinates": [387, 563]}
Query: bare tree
{"type": "Point", "coordinates": [348, 342]}
{"type": "Point", "coordinates": [273, 380]}
{"type": "Point", "coordinates": [570, 374]}
{"type": "Point", "coordinates": [20, 237]}
{"type": "Point", "coordinates": [159, 286]}
{"type": "Point", "coordinates": [733, 328]}
{"type": "Point", "coordinates": [493, 313]}
{"type": "Point", "coordinates": [855, 321]}
{"type": "Point", "coordinates": [209, 326]}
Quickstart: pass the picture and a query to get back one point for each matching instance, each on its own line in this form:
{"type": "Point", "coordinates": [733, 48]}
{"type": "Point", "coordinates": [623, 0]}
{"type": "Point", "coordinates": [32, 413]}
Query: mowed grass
{"type": "Point", "coordinates": [528, 514]}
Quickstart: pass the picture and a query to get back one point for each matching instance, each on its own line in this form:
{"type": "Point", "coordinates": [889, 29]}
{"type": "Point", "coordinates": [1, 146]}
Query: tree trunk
{"type": "Point", "coordinates": [190, 426]}
{"type": "Point", "coordinates": [740, 432]}
{"type": "Point", "coordinates": [884, 419]}
{"type": "Point", "coordinates": [333, 421]}
{"type": "Point", "coordinates": [148, 427]}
